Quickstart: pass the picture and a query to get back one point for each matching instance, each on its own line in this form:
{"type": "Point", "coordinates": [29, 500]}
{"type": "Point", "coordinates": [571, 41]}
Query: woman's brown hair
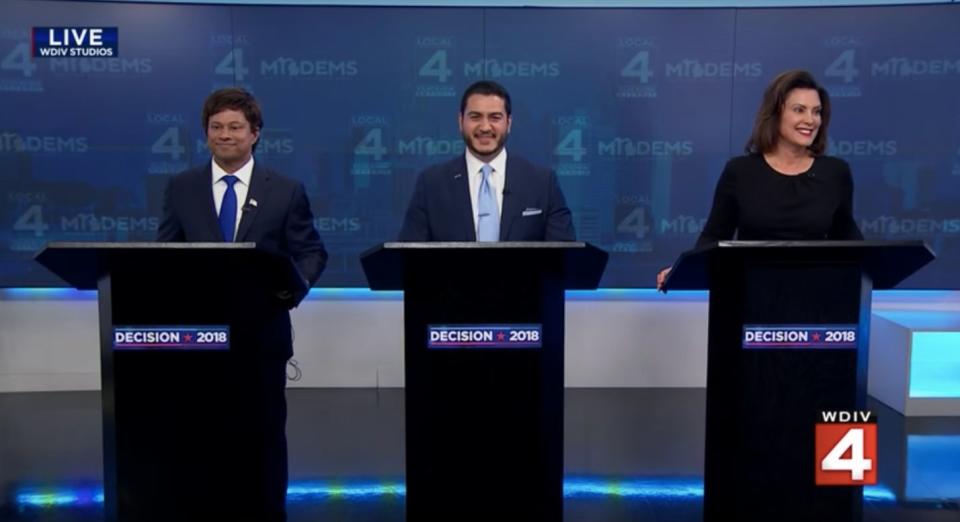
{"type": "Point", "coordinates": [766, 128]}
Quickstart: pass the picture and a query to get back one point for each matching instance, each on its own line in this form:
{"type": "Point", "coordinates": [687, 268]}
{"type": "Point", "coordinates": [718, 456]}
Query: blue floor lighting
{"type": "Point", "coordinates": [333, 490]}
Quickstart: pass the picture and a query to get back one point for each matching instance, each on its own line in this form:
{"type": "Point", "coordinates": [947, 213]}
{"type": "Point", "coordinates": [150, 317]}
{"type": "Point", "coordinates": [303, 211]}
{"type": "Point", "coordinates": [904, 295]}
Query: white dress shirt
{"type": "Point", "coordinates": [498, 177]}
{"type": "Point", "coordinates": [241, 187]}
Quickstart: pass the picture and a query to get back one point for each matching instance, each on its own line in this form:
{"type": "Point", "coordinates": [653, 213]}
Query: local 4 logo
{"type": "Point", "coordinates": [846, 448]}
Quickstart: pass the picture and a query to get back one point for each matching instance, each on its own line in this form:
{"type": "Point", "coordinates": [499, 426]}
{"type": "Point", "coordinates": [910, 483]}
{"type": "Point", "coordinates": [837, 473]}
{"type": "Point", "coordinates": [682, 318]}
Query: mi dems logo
{"type": "Point", "coordinates": [75, 42]}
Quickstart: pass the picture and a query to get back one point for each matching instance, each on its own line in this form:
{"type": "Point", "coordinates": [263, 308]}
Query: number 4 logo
{"type": "Point", "coordinates": [169, 143]}
{"type": "Point", "coordinates": [846, 454]}
{"type": "Point", "coordinates": [571, 145]}
{"type": "Point", "coordinates": [844, 66]}
{"type": "Point", "coordinates": [232, 65]}
{"type": "Point", "coordinates": [437, 66]}
{"type": "Point", "coordinates": [371, 145]}
{"type": "Point", "coordinates": [639, 67]}
{"type": "Point", "coordinates": [19, 60]}
{"type": "Point", "coordinates": [32, 221]}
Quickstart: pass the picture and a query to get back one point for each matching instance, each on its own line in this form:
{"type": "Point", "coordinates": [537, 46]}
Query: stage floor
{"type": "Point", "coordinates": [630, 454]}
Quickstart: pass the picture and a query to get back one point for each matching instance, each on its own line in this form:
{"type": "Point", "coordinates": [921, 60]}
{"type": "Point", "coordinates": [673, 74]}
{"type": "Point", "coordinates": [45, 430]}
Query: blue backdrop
{"type": "Point", "coordinates": [636, 109]}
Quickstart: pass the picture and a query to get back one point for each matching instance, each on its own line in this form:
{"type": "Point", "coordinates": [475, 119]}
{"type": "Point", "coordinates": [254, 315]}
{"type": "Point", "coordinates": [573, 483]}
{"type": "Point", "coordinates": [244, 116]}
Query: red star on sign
{"type": "Point", "coordinates": [500, 336]}
{"type": "Point", "coordinates": [816, 337]}
{"type": "Point", "coordinates": [187, 337]}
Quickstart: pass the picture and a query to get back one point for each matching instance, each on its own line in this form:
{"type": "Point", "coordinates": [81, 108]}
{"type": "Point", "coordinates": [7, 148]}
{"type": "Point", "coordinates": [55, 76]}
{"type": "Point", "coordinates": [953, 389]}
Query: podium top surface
{"type": "Point", "coordinates": [142, 245]}
{"type": "Point", "coordinates": [82, 264]}
{"type": "Point", "coordinates": [384, 264]}
{"type": "Point", "coordinates": [831, 244]}
{"type": "Point", "coordinates": [886, 262]}
{"type": "Point", "coordinates": [476, 245]}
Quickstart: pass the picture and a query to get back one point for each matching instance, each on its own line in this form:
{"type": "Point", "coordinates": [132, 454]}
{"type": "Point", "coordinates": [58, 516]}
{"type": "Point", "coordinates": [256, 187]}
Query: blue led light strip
{"type": "Point", "coordinates": [307, 491]}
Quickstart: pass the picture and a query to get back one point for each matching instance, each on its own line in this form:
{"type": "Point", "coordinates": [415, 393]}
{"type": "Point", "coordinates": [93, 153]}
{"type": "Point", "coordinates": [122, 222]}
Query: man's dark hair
{"type": "Point", "coordinates": [232, 98]}
{"type": "Point", "coordinates": [487, 88]}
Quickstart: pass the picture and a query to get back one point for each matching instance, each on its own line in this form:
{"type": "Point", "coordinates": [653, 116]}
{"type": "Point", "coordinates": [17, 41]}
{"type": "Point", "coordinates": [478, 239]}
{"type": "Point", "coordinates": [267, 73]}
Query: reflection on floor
{"type": "Point", "coordinates": [630, 454]}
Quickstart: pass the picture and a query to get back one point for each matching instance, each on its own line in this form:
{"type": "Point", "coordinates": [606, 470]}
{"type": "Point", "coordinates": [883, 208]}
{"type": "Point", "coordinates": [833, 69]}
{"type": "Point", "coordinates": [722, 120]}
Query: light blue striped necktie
{"type": "Point", "coordinates": [488, 215]}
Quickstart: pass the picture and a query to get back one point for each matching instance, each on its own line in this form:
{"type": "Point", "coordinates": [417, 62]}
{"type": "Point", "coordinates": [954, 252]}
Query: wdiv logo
{"type": "Point", "coordinates": [75, 42]}
{"type": "Point", "coordinates": [846, 448]}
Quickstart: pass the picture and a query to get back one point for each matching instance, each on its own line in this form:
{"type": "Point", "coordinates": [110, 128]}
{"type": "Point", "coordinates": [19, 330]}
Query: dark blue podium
{"type": "Point", "coordinates": [189, 433]}
{"type": "Point", "coordinates": [763, 401]}
{"type": "Point", "coordinates": [484, 425]}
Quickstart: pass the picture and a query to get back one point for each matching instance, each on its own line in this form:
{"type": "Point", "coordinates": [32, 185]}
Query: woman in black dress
{"type": "Point", "coordinates": [784, 187]}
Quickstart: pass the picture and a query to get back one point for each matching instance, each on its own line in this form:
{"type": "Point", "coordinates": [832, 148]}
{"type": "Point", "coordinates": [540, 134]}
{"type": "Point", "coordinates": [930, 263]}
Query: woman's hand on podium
{"type": "Point", "coordinates": [662, 278]}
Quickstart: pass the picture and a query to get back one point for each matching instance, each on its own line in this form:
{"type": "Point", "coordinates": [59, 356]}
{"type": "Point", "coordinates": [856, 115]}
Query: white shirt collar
{"type": "Point", "coordinates": [244, 174]}
{"type": "Point", "coordinates": [499, 163]}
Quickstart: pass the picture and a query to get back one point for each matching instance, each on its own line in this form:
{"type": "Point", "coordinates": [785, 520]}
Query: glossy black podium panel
{"type": "Point", "coordinates": [763, 401]}
{"type": "Point", "coordinates": [484, 425]}
{"type": "Point", "coordinates": [190, 433]}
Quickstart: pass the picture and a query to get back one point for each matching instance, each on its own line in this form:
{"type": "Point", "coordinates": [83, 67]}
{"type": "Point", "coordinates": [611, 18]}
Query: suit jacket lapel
{"type": "Point", "coordinates": [256, 196]}
{"type": "Point", "coordinates": [511, 202]}
{"type": "Point", "coordinates": [460, 195]}
{"type": "Point", "coordinates": [203, 188]}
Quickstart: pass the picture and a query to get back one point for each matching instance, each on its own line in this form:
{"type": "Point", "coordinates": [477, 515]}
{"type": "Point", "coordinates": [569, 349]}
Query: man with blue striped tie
{"type": "Point", "coordinates": [486, 195]}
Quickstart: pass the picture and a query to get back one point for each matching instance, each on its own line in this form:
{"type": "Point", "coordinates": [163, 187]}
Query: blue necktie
{"type": "Point", "coordinates": [228, 209]}
{"type": "Point", "coordinates": [488, 216]}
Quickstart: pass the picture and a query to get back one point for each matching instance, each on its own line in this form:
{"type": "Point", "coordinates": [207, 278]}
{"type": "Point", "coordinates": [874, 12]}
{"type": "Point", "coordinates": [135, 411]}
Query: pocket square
{"type": "Point", "coordinates": [532, 212]}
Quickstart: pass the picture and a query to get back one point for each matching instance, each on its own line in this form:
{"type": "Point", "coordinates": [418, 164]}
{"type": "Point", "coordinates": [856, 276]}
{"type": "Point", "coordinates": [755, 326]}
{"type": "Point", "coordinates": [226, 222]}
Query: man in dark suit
{"type": "Point", "coordinates": [275, 212]}
{"type": "Point", "coordinates": [234, 198]}
{"type": "Point", "coordinates": [486, 195]}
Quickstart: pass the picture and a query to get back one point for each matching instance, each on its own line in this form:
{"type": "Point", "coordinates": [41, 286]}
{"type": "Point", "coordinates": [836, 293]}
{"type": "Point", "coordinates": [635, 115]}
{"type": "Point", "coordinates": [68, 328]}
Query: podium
{"type": "Point", "coordinates": [484, 413]}
{"type": "Point", "coordinates": [193, 423]}
{"type": "Point", "coordinates": [764, 398]}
